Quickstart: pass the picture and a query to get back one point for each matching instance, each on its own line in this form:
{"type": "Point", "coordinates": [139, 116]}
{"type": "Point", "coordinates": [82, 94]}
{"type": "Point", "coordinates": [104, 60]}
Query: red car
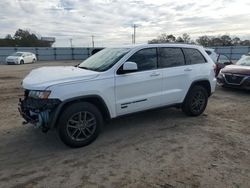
{"type": "Point", "coordinates": [237, 75]}
{"type": "Point", "coordinates": [221, 62]}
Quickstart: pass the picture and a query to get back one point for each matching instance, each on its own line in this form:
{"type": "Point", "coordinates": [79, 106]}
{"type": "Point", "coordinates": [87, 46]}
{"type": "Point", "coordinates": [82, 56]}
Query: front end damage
{"type": "Point", "coordinates": [37, 111]}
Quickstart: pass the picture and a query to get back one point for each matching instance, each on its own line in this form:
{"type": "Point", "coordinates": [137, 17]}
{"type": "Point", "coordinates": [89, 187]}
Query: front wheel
{"type": "Point", "coordinates": [195, 101]}
{"type": "Point", "coordinates": [22, 62]}
{"type": "Point", "coordinates": [80, 124]}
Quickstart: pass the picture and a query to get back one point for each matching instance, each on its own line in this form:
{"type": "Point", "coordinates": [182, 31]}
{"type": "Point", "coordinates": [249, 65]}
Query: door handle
{"type": "Point", "coordinates": [155, 74]}
{"type": "Point", "coordinates": [188, 69]}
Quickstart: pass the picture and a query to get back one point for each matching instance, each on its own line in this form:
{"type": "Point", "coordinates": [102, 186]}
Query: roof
{"type": "Point", "coordinates": [160, 45]}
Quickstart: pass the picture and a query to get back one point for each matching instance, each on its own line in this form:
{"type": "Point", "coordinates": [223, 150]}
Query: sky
{"type": "Point", "coordinates": [110, 21]}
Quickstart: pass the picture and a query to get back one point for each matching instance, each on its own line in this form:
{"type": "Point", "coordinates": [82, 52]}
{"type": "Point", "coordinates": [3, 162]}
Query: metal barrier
{"type": "Point", "coordinates": [232, 52]}
{"type": "Point", "coordinates": [50, 54]}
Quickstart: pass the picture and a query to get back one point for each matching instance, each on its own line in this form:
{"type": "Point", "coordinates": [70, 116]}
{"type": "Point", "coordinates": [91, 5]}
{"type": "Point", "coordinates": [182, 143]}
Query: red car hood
{"type": "Point", "coordinates": [236, 69]}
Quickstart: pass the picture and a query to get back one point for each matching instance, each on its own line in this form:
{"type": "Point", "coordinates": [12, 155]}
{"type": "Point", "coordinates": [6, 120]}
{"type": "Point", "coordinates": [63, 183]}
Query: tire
{"type": "Point", "coordinates": [73, 130]}
{"type": "Point", "coordinates": [21, 62]}
{"type": "Point", "coordinates": [196, 101]}
{"type": "Point", "coordinates": [33, 61]}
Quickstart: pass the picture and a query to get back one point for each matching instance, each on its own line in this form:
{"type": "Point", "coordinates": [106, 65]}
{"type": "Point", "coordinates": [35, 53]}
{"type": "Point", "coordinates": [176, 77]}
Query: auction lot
{"type": "Point", "coordinates": [160, 148]}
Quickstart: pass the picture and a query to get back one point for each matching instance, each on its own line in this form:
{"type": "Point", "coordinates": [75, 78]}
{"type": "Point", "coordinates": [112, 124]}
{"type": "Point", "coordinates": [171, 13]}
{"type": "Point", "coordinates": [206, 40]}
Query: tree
{"type": "Point", "coordinates": [24, 38]}
{"type": "Point", "coordinates": [163, 38]}
{"type": "Point", "coordinates": [186, 38]}
{"type": "Point", "coordinates": [226, 40]}
{"type": "Point", "coordinates": [204, 40]}
{"type": "Point", "coordinates": [216, 41]}
{"type": "Point", "coordinates": [8, 37]}
{"type": "Point", "coordinates": [245, 43]}
{"type": "Point", "coordinates": [236, 41]}
{"type": "Point", "coordinates": [171, 38]}
{"type": "Point", "coordinates": [180, 40]}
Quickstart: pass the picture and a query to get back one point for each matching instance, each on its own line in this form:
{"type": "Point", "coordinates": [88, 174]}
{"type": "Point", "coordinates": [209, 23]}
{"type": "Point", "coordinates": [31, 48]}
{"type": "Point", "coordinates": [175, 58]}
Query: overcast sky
{"type": "Point", "coordinates": [110, 21]}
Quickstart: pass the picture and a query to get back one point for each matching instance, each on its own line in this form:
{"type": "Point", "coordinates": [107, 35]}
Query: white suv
{"type": "Point", "coordinates": [116, 82]}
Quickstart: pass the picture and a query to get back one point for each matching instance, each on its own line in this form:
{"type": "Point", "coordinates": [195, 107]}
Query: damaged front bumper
{"type": "Point", "coordinates": [38, 112]}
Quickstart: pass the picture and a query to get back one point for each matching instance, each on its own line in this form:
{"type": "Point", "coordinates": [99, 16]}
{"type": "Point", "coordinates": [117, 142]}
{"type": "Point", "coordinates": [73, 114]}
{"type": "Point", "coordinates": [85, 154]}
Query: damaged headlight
{"type": "Point", "coordinates": [39, 94]}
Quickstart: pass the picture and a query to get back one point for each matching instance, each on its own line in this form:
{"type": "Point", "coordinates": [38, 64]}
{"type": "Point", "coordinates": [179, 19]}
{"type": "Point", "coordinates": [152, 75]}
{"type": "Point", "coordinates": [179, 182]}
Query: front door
{"type": "Point", "coordinates": [139, 90]}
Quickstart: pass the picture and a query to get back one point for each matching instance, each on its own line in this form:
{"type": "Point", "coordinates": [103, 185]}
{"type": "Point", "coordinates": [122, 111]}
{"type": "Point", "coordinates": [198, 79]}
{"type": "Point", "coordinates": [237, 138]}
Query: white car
{"type": "Point", "coordinates": [115, 82]}
{"type": "Point", "coordinates": [211, 52]}
{"type": "Point", "coordinates": [21, 58]}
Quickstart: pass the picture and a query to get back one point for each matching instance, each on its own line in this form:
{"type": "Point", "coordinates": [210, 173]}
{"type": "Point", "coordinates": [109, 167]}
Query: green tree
{"type": "Point", "coordinates": [186, 38]}
{"type": "Point", "coordinates": [163, 38]}
{"type": "Point", "coordinates": [8, 37]}
{"type": "Point", "coordinates": [204, 40]}
{"type": "Point", "coordinates": [24, 38]}
{"type": "Point", "coordinates": [226, 40]}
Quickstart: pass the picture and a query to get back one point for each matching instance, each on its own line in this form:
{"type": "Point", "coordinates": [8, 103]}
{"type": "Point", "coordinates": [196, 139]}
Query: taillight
{"type": "Point", "coordinates": [215, 67]}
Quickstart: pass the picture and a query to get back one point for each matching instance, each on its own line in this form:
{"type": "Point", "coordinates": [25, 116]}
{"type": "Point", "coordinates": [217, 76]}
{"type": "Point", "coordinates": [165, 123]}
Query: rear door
{"type": "Point", "coordinates": [176, 76]}
{"type": "Point", "coordinates": [198, 68]}
{"type": "Point", "coordinates": [139, 90]}
{"type": "Point", "coordinates": [26, 58]}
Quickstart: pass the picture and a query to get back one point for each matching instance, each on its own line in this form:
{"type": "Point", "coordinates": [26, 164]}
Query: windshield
{"type": "Point", "coordinates": [17, 54]}
{"type": "Point", "coordinates": [245, 61]}
{"type": "Point", "coordinates": [104, 59]}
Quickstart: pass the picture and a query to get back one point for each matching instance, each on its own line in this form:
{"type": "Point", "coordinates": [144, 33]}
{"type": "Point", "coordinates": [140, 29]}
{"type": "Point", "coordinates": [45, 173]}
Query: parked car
{"type": "Point", "coordinates": [21, 58]}
{"type": "Point", "coordinates": [237, 75]}
{"type": "Point", "coordinates": [212, 53]}
{"type": "Point", "coordinates": [115, 82]}
{"type": "Point", "coordinates": [220, 60]}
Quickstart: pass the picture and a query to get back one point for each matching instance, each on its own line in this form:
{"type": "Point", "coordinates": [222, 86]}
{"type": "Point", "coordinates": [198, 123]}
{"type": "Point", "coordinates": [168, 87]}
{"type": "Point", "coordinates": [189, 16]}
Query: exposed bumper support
{"type": "Point", "coordinates": [38, 111]}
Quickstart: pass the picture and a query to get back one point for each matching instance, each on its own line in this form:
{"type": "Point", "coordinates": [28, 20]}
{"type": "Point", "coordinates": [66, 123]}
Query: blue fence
{"type": "Point", "coordinates": [232, 52]}
{"type": "Point", "coordinates": [50, 54]}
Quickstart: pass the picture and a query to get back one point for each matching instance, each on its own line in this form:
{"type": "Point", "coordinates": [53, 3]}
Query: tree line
{"type": "Point", "coordinates": [24, 38]}
{"type": "Point", "coordinates": [223, 40]}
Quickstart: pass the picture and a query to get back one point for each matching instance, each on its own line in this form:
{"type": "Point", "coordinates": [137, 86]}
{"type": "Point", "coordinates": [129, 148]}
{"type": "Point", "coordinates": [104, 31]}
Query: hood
{"type": "Point", "coordinates": [236, 69]}
{"type": "Point", "coordinates": [41, 78]}
{"type": "Point", "coordinates": [12, 57]}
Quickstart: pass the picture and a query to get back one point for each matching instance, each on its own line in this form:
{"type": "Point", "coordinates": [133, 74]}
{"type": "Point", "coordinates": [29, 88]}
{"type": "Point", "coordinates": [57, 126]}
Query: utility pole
{"type": "Point", "coordinates": [70, 40]}
{"type": "Point", "coordinates": [93, 42]}
{"type": "Point", "coordinates": [132, 38]}
{"type": "Point", "coordinates": [134, 26]}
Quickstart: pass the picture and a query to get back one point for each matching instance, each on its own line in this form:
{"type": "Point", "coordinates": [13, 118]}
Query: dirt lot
{"type": "Point", "coordinates": [160, 148]}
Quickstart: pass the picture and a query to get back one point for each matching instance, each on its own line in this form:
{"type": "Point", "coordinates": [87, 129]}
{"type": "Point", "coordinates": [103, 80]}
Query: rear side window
{"type": "Point", "coordinates": [170, 57]}
{"type": "Point", "coordinates": [146, 59]}
{"type": "Point", "coordinates": [193, 56]}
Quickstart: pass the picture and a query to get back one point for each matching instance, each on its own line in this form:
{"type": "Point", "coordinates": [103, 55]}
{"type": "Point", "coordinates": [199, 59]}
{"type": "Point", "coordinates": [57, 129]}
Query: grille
{"type": "Point", "coordinates": [26, 93]}
{"type": "Point", "coordinates": [234, 79]}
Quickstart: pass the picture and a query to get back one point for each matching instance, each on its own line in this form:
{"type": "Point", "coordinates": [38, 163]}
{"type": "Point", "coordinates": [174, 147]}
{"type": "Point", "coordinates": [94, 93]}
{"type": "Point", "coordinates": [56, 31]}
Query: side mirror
{"type": "Point", "coordinates": [228, 63]}
{"type": "Point", "coordinates": [129, 67]}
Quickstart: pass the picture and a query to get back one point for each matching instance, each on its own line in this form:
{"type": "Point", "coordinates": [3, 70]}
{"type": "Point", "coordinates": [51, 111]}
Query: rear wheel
{"type": "Point", "coordinates": [79, 124]}
{"type": "Point", "coordinates": [34, 60]}
{"type": "Point", "coordinates": [195, 101]}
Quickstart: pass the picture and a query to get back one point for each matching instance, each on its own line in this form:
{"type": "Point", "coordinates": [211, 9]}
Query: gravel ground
{"type": "Point", "coordinates": [159, 148]}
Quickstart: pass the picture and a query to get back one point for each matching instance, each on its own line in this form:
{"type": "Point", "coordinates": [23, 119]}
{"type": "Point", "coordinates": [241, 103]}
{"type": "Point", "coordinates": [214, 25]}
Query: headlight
{"type": "Point", "coordinates": [39, 94]}
{"type": "Point", "coordinates": [220, 72]}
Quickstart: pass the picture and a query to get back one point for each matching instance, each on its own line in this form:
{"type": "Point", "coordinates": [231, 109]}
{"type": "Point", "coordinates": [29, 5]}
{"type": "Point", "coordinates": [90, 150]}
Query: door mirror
{"type": "Point", "coordinates": [129, 67]}
{"type": "Point", "coordinates": [227, 63]}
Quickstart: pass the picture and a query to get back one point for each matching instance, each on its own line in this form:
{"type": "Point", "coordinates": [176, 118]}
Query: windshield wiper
{"type": "Point", "coordinates": [86, 68]}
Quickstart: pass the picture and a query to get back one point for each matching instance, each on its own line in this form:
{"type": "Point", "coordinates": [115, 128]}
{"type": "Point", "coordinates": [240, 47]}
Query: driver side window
{"type": "Point", "coordinates": [146, 59]}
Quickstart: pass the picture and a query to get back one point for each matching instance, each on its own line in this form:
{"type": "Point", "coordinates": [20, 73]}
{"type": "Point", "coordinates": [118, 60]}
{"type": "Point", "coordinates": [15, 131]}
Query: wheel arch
{"type": "Point", "coordinates": [204, 83]}
{"type": "Point", "coordinates": [93, 99]}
